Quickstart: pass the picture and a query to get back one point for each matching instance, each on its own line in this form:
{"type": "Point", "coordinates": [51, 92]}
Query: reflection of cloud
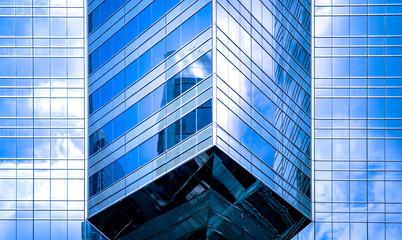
{"type": "Point", "coordinates": [76, 107]}
{"type": "Point", "coordinates": [340, 207]}
{"type": "Point", "coordinates": [42, 107]}
{"type": "Point", "coordinates": [307, 233]}
{"type": "Point", "coordinates": [340, 149]}
{"type": "Point", "coordinates": [7, 163]}
{"type": "Point", "coordinates": [323, 149]}
{"type": "Point", "coordinates": [393, 191]}
{"type": "Point", "coordinates": [341, 231]}
{"type": "Point", "coordinates": [322, 26]}
{"type": "Point", "coordinates": [358, 231]}
{"type": "Point", "coordinates": [42, 189]}
{"type": "Point", "coordinates": [59, 148]}
{"type": "Point", "coordinates": [75, 148]}
{"type": "Point", "coordinates": [59, 189]}
{"type": "Point", "coordinates": [76, 189]}
{"type": "Point", "coordinates": [322, 191]}
{"type": "Point", "coordinates": [24, 189]}
{"type": "Point", "coordinates": [393, 231]}
{"type": "Point", "coordinates": [323, 231]}
{"type": "Point", "coordinates": [340, 190]}
{"type": "Point", "coordinates": [7, 189]}
{"type": "Point", "coordinates": [59, 107]}
{"type": "Point", "coordinates": [41, 148]}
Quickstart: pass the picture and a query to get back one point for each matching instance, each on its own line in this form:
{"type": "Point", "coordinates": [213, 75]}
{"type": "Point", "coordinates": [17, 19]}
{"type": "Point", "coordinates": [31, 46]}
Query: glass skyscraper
{"type": "Point", "coordinates": [199, 118]}
{"type": "Point", "coordinates": [357, 120]}
{"type": "Point", "coordinates": [42, 120]}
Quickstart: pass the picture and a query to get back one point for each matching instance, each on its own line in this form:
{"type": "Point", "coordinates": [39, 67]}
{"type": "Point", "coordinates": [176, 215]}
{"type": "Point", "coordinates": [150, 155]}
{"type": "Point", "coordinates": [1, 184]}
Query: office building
{"type": "Point", "coordinates": [42, 119]}
{"type": "Point", "coordinates": [199, 118]}
{"type": "Point", "coordinates": [358, 117]}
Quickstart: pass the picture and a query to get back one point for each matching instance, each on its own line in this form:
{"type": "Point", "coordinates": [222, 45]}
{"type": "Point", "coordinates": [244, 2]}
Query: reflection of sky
{"type": "Point", "coordinates": [370, 178]}
{"type": "Point", "coordinates": [29, 154]}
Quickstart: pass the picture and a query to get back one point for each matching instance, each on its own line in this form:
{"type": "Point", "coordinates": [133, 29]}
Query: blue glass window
{"type": "Point", "coordinates": [173, 134]}
{"type": "Point", "coordinates": [132, 160]}
{"type": "Point", "coordinates": [151, 103]}
{"type": "Point", "coordinates": [136, 26]}
{"type": "Point", "coordinates": [151, 148]}
{"type": "Point", "coordinates": [146, 62]}
{"type": "Point", "coordinates": [101, 13]}
{"type": "Point", "coordinates": [132, 116]}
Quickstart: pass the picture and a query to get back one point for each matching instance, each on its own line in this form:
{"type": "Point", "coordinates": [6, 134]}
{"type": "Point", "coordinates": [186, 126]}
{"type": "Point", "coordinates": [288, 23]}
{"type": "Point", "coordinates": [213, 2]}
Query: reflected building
{"type": "Point", "coordinates": [358, 117]}
{"type": "Point", "coordinates": [199, 119]}
{"type": "Point", "coordinates": [42, 119]}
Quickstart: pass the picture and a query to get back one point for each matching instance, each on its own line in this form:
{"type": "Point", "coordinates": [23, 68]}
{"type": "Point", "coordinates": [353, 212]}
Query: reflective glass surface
{"type": "Point", "coordinates": [151, 148]}
{"type": "Point", "coordinates": [151, 103]}
{"type": "Point", "coordinates": [42, 125]}
{"type": "Point", "coordinates": [148, 60]}
{"type": "Point", "coordinates": [263, 92]}
{"type": "Point", "coordinates": [236, 80]}
{"type": "Point", "coordinates": [357, 116]}
{"type": "Point", "coordinates": [125, 35]}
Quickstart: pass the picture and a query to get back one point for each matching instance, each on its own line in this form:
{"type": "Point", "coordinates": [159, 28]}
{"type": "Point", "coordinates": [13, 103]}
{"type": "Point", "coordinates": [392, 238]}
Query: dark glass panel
{"type": "Point", "coordinates": [171, 3]}
{"type": "Point", "coordinates": [132, 116]}
{"type": "Point", "coordinates": [173, 88]}
{"type": "Point", "coordinates": [105, 135]}
{"type": "Point", "coordinates": [132, 160]}
{"type": "Point", "coordinates": [204, 115]}
{"type": "Point", "coordinates": [107, 176]}
{"type": "Point", "coordinates": [94, 186]}
{"type": "Point", "coordinates": [158, 52]}
{"type": "Point", "coordinates": [188, 125]}
{"type": "Point", "coordinates": [119, 126]}
{"type": "Point", "coordinates": [144, 63]}
{"type": "Point", "coordinates": [105, 10]}
{"type": "Point", "coordinates": [144, 19]}
{"type": "Point", "coordinates": [158, 9]}
{"type": "Point", "coordinates": [132, 73]}
{"type": "Point", "coordinates": [173, 134]}
{"type": "Point", "coordinates": [94, 60]}
{"type": "Point", "coordinates": [106, 51]}
{"type": "Point", "coordinates": [131, 30]}
{"type": "Point", "coordinates": [119, 169]}
{"type": "Point", "coordinates": [118, 83]}
{"type": "Point", "coordinates": [161, 147]}
{"type": "Point", "coordinates": [93, 20]}
{"type": "Point", "coordinates": [204, 18]}
{"type": "Point", "coordinates": [118, 41]}
{"type": "Point", "coordinates": [188, 31]}
{"type": "Point", "coordinates": [116, 4]}
{"type": "Point", "coordinates": [173, 41]}
{"type": "Point", "coordinates": [94, 101]}
{"type": "Point", "coordinates": [158, 98]}
{"type": "Point", "coordinates": [144, 109]}
{"type": "Point", "coordinates": [148, 150]}
{"type": "Point", "coordinates": [105, 93]}
{"type": "Point", "coordinates": [189, 77]}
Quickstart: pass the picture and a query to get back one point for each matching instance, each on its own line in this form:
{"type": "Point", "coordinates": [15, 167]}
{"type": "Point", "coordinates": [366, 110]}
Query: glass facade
{"type": "Point", "coordinates": [358, 117]}
{"type": "Point", "coordinates": [42, 119]}
{"type": "Point", "coordinates": [263, 92]}
{"type": "Point", "coordinates": [150, 99]}
{"type": "Point", "coordinates": [200, 122]}
{"type": "Point", "coordinates": [199, 102]}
